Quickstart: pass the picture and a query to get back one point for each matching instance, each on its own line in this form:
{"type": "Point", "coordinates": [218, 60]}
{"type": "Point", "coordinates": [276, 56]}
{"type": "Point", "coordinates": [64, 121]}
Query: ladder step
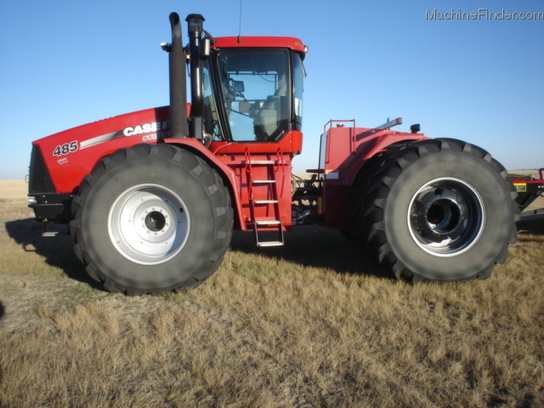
{"type": "Point", "coordinates": [269, 244]}
{"type": "Point", "coordinates": [263, 181]}
{"type": "Point", "coordinates": [265, 201]}
{"type": "Point", "coordinates": [264, 237]}
{"type": "Point", "coordinates": [267, 222]}
{"type": "Point", "coordinates": [261, 162]}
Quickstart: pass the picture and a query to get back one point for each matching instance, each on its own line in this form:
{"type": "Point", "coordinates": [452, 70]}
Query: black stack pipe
{"type": "Point", "coordinates": [195, 27]}
{"type": "Point", "coordinates": [178, 82]}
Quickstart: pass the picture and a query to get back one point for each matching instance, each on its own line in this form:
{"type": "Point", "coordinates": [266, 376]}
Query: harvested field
{"type": "Point", "coordinates": [312, 324]}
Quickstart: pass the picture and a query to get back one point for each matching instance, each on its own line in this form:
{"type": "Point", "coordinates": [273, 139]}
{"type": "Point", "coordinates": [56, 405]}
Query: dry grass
{"type": "Point", "coordinates": [313, 324]}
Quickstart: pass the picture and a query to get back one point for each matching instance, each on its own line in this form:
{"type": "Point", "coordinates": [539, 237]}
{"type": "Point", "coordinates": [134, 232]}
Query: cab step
{"type": "Point", "coordinates": [263, 181]}
{"type": "Point", "coordinates": [265, 201]}
{"type": "Point", "coordinates": [268, 233]}
{"type": "Point", "coordinates": [267, 244]}
{"type": "Point", "coordinates": [267, 222]}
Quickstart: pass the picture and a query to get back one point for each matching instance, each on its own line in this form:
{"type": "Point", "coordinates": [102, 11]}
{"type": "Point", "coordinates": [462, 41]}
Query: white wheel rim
{"type": "Point", "coordinates": [148, 224]}
{"type": "Point", "coordinates": [446, 217]}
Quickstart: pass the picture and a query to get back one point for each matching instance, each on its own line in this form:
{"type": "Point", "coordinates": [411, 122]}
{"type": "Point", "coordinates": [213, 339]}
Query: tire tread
{"type": "Point", "coordinates": [372, 192]}
{"type": "Point", "coordinates": [217, 194]}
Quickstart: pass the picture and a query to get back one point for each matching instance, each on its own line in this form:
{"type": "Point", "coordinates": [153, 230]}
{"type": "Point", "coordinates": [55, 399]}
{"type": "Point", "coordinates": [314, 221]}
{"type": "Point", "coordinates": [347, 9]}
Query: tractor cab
{"type": "Point", "coordinates": [252, 94]}
{"type": "Point", "coordinates": [243, 89]}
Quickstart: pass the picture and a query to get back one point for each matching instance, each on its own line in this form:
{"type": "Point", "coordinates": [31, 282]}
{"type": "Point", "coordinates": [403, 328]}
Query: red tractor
{"type": "Point", "coordinates": [152, 197]}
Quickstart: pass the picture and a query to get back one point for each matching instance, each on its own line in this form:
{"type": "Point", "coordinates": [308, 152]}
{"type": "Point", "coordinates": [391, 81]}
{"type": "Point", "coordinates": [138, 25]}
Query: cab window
{"type": "Point", "coordinates": [256, 92]}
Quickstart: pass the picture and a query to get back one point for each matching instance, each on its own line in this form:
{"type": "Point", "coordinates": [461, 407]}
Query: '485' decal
{"type": "Point", "coordinates": [66, 148]}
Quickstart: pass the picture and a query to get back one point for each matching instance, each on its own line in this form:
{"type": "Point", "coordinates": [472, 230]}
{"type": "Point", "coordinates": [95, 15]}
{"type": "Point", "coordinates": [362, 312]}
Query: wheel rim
{"type": "Point", "coordinates": [446, 217]}
{"type": "Point", "coordinates": [148, 224]}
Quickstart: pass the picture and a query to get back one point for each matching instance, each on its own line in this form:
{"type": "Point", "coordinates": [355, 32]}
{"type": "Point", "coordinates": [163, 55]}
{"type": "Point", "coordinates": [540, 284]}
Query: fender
{"type": "Point", "coordinates": [226, 172]}
{"type": "Point", "coordinates": [347, 150]}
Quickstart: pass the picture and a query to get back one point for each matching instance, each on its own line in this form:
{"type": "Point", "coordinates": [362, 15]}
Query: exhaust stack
{"type": "Point", "coordinates": [198, 53]}
{"type": "Point", "coordinates": [178, 82]}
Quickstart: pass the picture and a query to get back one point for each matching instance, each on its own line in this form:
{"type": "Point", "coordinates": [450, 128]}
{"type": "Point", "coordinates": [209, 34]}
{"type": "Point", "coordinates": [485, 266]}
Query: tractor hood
{"type": "Point", "coordinates": [66, 157]}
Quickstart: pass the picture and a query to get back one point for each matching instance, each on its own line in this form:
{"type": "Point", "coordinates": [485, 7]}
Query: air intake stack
{"type": "Point", "coordinates": [198, 52]}
{"type": "Point", "coordinates": [178, 81]}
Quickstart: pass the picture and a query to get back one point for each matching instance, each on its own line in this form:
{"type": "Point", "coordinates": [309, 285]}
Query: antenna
{"type": "Point", "coordinates": [240, 24]}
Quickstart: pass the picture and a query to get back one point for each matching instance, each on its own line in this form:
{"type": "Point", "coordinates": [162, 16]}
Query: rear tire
{"type": "Point", "coordinates": [438, 210]}
{"type": "Point", "coordinates": [151, 218]}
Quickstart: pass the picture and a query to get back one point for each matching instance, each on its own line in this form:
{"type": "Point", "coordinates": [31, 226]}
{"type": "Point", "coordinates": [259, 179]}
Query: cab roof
{"type": "Point", "coordinates": [264, 42]}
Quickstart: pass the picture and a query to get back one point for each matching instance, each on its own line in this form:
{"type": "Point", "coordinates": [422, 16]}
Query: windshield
{"type": "Point", "coordinates": [298, 79]}
{"type": "Point", "coordinates": [257, 92]}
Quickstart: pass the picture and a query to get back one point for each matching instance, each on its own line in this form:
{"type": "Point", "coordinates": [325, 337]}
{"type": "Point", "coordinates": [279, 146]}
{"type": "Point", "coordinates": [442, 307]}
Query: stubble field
{"type": "Point", "coordinates": [312, 324]}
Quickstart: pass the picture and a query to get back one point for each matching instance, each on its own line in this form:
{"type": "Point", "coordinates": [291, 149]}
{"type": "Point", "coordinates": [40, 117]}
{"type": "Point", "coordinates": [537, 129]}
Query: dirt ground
{"type": "Point", "coordinates": [12, 189]}
{"type": "Point", "coordinates": [297, 326]}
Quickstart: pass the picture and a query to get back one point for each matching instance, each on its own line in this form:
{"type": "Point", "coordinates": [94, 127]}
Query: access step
{"type": "Point", "coordinates": [261, 162]}
{"type": "Point", "coordinates": [268, 233]}
{"type": "Point", "coordinates": [267, 222]}
{"type": "Point", "coordinates": [265, 201]}
{"type": "Point", "coordinates": [266, 244]}
{"type": "Point", "coordinates": [263, 181]}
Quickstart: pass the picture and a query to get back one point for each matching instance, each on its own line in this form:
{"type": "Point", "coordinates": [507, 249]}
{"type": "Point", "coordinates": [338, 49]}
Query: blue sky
{"type": "Point", "coordinates": [66, 63]}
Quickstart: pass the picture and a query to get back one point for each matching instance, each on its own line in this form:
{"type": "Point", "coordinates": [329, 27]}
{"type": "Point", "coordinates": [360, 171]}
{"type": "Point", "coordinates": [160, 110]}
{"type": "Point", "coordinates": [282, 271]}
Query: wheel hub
{"type": "Point", "coordinates": [446, 217]}
{"type": "Point", "coordinates": [148, 224]}
{"type": "Point", "coordinates": [155, 221]}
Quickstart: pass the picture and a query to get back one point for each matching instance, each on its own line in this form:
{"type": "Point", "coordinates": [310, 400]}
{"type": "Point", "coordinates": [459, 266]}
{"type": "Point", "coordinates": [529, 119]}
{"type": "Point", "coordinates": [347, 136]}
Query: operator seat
{"type": "Point", "coordinates": [267, 118]}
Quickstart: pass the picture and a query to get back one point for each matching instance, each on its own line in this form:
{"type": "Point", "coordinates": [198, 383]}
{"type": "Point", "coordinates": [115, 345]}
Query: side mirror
{"type": "Point", "coordinates": [238, 86]}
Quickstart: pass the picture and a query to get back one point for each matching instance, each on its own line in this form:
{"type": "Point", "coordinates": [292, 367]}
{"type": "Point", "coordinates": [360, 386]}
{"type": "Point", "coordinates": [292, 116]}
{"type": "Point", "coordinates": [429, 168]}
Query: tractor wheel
{"type": "Point", "coordinates": [438, 210]}
{"type": "Point", "coordinates": [151, 218]}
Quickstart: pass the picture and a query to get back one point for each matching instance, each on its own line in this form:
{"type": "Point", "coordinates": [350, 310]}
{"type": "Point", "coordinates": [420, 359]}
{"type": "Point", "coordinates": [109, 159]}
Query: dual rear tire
{"type": "Point", "coordinates": [436, 210]}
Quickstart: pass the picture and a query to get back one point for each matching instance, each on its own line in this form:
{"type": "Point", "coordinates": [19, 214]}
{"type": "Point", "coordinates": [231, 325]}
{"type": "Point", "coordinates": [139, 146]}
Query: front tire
{"type": "Point", "coordinates": [438, 210]}
{"type": "Point", "coordinates": [151, 218]}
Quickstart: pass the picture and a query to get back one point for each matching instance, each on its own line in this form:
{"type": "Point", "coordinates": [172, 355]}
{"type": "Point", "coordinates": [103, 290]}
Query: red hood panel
{"type": "Point", "coordinates": [71, 154]}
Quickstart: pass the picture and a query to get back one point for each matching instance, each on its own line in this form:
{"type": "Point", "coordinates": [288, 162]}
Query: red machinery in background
{"type": "Point", "coordinates": [529, 189]}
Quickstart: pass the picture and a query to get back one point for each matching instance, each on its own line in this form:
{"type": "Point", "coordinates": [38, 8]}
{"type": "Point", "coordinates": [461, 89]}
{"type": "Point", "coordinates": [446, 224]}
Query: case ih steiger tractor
{"type": "Point", "coordinates": [152, 197]}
